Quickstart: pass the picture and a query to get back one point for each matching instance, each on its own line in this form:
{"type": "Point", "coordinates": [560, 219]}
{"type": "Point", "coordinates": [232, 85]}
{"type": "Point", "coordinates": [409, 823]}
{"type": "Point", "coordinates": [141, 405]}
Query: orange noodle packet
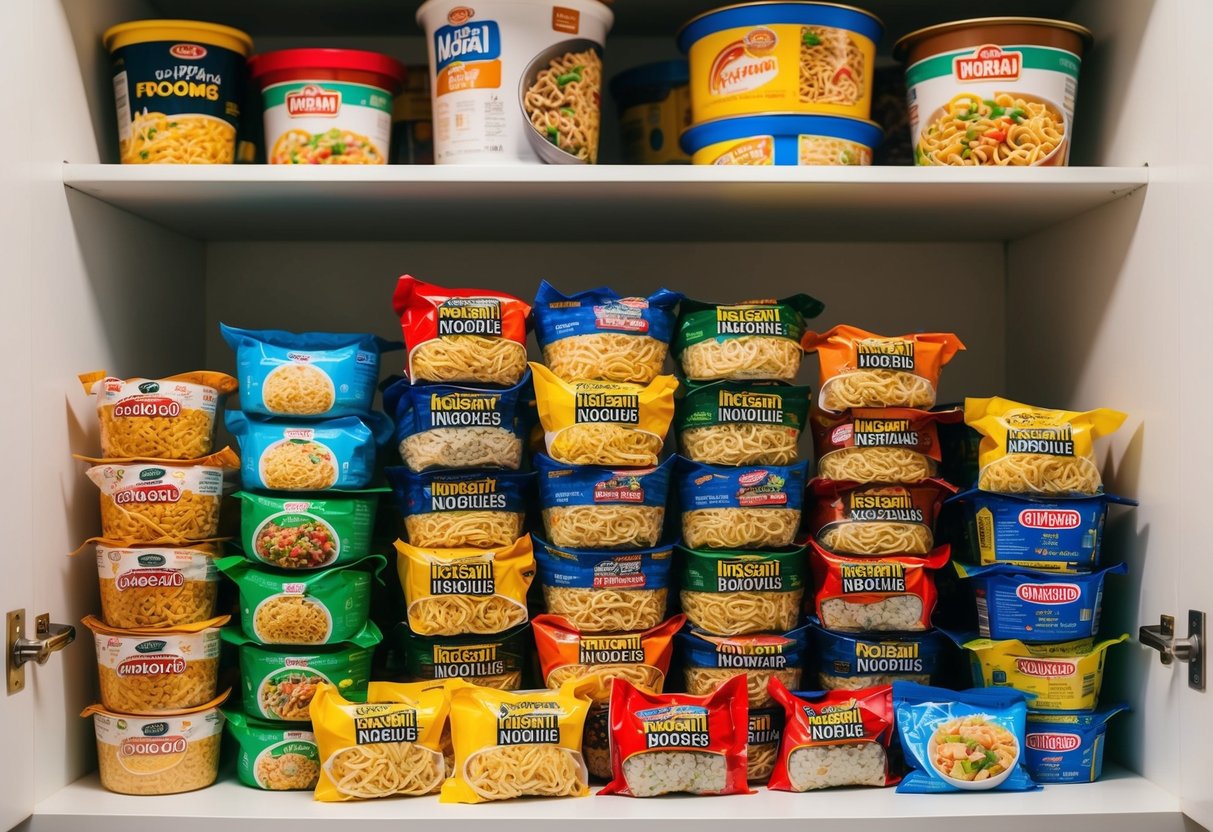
{"type": "Point", "coordinates": [877, 518]}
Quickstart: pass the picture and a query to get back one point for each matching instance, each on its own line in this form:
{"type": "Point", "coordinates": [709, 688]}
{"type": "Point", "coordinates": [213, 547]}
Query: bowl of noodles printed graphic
{"type": "Point", "coordinates": [1041, 123]}
{"type": "Point", "coordinates": [295, 463]}
{"type": "Point", "coordinates": [292, 619]}
{"type": "Point", "coordinates": [972, 753]}
{"type": "Point", "coordinates": [295, 540]}
{"type": "Point", "coordinates": [286, 694]}
{"type": "Point", "coordinates": [290, 765]}
{"type": "Point", "coordinates": [560, 96]}
{"type": "Point", "coordinates": [298, 389]}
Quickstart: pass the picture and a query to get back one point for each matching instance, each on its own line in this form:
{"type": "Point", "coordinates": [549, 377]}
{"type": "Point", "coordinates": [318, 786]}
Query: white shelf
{"type": "Point", "coordinates": [609, 203]}
{"type": "Point", "coordinates": [1121, 802]}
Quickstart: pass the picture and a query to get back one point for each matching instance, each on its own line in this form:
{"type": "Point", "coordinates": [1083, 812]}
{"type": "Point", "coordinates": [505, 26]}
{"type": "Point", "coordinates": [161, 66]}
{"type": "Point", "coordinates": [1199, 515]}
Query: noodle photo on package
{"type": "Point", "coordinates": [756, 339]}
{"type": "Point", "coordinates": [877, 519]}
{"type": "Point", "coordinates": [297, 455]}
{"type": "Point", "coordinates": [999, 128]}
{"type": "Point", "coordinates": [274, 757]}
{"type": "Point", "coordinates": [894, 593]}
{"type": "Point", "coordinates": [298, 532]}
{"type": "Point", "coordinates": [710, 660]}
{"type": "Point", "coordinates": [741, 423]}
{"type": "Point", "coordinates": [605, 592]}
{"type": "Point", "coordinates": [739, 593]}
{"type": "Point", "coordinates": [461, 509]}
{"type": "Point", "coordinates": [593, 507]}
{"type": "Point", "coordinates": [563, 103]}
{"type": "Point", "coordinates": [740, 508]}
{"type": "Point", "coordinates": [566, 654]}
{"type": "Point", "coordinates": [832, 67]}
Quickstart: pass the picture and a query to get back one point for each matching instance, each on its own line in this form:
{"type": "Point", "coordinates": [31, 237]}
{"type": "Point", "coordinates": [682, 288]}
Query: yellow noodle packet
{"type": "Point", "coordinates": [1035, 450]}
{"type": "Point", "coordinates": [518, 744]}
{"type": "Point", "coordinates": [604, 422]}
{"type": "Point", "coordinates": [450, 592]}
{"type": "Point", "coordinates": [388, 745]}
{"type": "Point", "coordinates": [410, 691]}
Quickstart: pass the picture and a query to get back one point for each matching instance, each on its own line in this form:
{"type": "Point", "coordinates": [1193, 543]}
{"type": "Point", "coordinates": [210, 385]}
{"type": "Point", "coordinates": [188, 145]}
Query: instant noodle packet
{"type": "Point", "coordinates": [1063, 676]}
{"type": "Point", "coordinates": [675, 742]}
{"type": "Point", "coordinates": [1035, 450]}
{"type": "Point", "coordinates": [156, 586]}
{"type": "Point", "coordinates": [491, 661]}
{"type": "Point", "coordinates": [313, 374]}
{"type": "Point", "coordinates": [733, 593]}
{"type": "Point", "coordinates": [879, 444]}
{"type": "Point", "coordinates": [598, 335]}
{"type": "Point", "coordinates": [297, 455]}
{"type": "Point", "coordinates": [862, 369]}
{"type": "Point", "coordinates": [273, 757]}
{"type": "Point", "coordinates": [307, 531]}
{"type": "Point", "coordinates": [379, 749]}
{"type": "Point", "coordinates": [741, 422]}
{"type": "Point", "coordinates": [835, 738]}
{"type": "Point", "coordinates": [521, 744]}
{"type": "Point", "coordinates": [754, 339]}
{"type": "Point", "coordinates": [596, 507]}
{"type": "Point", "coordinates": [462, 335]}
{"type": "Point", "coordinates": [850, 661]}
{"type": "Point", "coordinates": [891, 593]}
{"type": "Point", "coordinates": [710, 660]}
{"type": "Point", "coordinates": [643, 658]}
{"type": "Point", "coordinates": [458, 509]}
{"type": "Point", "coordinates": [604, 422]}
{"type": "Point", "coordinates": [303, 608]}
{"type": "Point", "coordinates": [161, 418]}
{"type": "Point", "coordinates": [1067, 746]}
{"type": "Point", "coordinates": [612, 591]}
{"type": "Point", "coordinates": [877, 518]}
{"type": "Point", "coordinates": [451, 592]}
{"type": "Point", "coordinates": [739, 508]}
{"type": "Point", "coordinates": [970, 740]}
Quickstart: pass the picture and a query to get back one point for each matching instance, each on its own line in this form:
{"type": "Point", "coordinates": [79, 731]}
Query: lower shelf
{"type": "Point", "coordinates": [1121, 802]}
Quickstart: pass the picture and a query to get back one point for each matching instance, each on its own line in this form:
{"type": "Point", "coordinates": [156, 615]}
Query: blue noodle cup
{"type": "Point", "coordinates": [853, 661]}
{"type": "Point", "coordinates": [1067, 746]}
{"type": "Point", "coordinates": [297, 455]}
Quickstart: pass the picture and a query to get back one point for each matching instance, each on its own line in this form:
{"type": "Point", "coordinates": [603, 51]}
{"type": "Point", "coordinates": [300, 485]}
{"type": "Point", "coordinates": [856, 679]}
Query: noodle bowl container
{"type": "Point", "coordinates": [758, 58]}
{"type": "Point", "coordinates": [782, 139]}
{"type": "Point", "coordinates": [516, 81]}
{"type": "Point", "coordinates": [994, 91]}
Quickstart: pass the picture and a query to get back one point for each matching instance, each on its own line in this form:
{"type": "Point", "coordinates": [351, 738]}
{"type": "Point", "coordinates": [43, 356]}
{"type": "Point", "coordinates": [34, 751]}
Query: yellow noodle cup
{"type": "Point", "coordinates": [1065, 676]}
{"type": "Point", "coordinates": [156, 586]}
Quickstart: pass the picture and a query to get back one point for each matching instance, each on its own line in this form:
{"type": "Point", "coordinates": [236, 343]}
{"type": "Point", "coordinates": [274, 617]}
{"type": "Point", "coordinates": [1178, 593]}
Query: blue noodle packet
{"type": "Point", "coordinates": [702, 486]}
{"type": "Point", "coordinates": [1067, 746]}
{"type": "Point", "coordinates": [298, 455]}
{"type": "Point", "coordinates": [311, 374]}
{"type": "Point", "coordinates": [971, 740]}
{"type": "Point", "coordinates": [709, 659]}
{"type": "Point", "coordinates": [851, 661]}
{"type": "Point", "coordinates": [480, 509]}
{"type": "Point", "coordinates": [1034, 606]}
{"type": "Point", "coordinates": [562, 485]}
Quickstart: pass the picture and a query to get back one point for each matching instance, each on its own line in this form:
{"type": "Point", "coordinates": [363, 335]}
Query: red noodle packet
{"type": "Point", "coordinates": [715, 726]}
{"type": "Point", "coordinates": [840, 503]}
{"type": "Point", "coordinates": [886, 594]}
{"type": "Point", "coordinates": [881, 427]}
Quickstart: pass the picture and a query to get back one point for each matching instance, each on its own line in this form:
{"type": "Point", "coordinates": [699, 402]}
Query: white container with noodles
{"type": "Point", "coordinates": [516, 81]}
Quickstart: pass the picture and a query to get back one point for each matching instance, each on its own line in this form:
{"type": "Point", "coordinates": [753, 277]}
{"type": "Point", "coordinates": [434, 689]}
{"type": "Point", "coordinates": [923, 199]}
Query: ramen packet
{"type": "Point", "coordinates": [1059, 676]}
{"type": "Point", "coordinates": [462, 335]}
{"type": "Point", "coordinates": [737, 593]}
{"type": "Point", "coordinates": [303, 608]}
{"type": "Point", "coordinates": [752, 507]}
{"type": "Point", "coordinates": [297, 455]}
{"type": "Point", "coordinates": [448, 426]}
{"type": "Point", "coordinates": [458, 509]}
{"type": "Point", "coordinates": [598, 335]}
{"type": "Point", "coordinates": [754, 339]}
{"type": "Point", "coordinates": [741, 422]}
{"type": "Point", "coordinates": [307, 531]}
{"type": "Point", "coordinates": [862, 369]}
{"type": "Point", "coordinates": [595, 507]}
{"type": "Point", "coordinates": [970, 740]}
{"type": "Point", "coordinates": [850, 661]}
{"type": "Point", "coordinates": [879, 444]}
{"type": "Point", "coordinates": [492, 661]}
{"type": "Point", "coordinates": [1035, 450]}
{"type": "Point", "coordinates": [834, 738]}
{"type": "Point", "coordinates": [272, 756]}
{"type": "Point", "coordinates": [1067, 746]}
{"type": "Point", "coordinates": [643, 658]}
{"type": "Point", "coordinates": [675, 742]}
{"type": "Point", "coordinates": [877, 518]}
{"type": "Point", "coordinates": [312, 374]}
{"type": "Point", "coordinates": [157, 418]}
{"type": "Point", "coordinates": [708, 661]}
{"type": "Point", "coordinates": [604, 422]}
{"type": "Point", "coordinates": [895, 593]}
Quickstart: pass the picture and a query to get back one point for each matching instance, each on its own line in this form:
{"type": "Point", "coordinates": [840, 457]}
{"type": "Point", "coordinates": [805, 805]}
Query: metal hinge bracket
{"type": "Point", "coordinates": [1190, 650]}
{"type": "Point", "coordinates": [48, 638]}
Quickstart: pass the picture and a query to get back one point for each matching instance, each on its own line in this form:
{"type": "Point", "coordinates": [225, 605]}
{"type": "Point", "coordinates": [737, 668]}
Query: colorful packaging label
{"type": "Point", "coordinates": [592, 485]}
{"type": "Point", "coordinates": [724, 571]}
{"type": "Point", "coordinates": [476, 656]}
{"type": "Point", "coordinates": [703, 486]}
{"type": "Point", "coordinates": [593, 569]}
{"type": "Point", "coordinates": [306, 532]}
{"type": "Point", "coordinates": [1062, 677]}
{"type": "Point", "coordinates": [748, 652]}
{"type": "Point", "coordinates": [1067, 746]}
{"type": "Point", "coordinates": [324, 122]}
{"type": "Point", "coordinates": [297, 455]}
{"type": "Point", "coordinates": [559, 316]}
{"type": "Point", "coordinates": [447, 491]}
{"type": "Point", "coordinates": [1031, 606]}
{"type": "Point", "coordinates": [850, 655]}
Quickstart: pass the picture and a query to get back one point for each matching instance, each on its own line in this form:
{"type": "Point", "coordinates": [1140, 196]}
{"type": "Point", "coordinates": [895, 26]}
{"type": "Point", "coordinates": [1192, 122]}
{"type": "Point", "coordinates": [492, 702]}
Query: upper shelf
{"type": "Point", "coordinates": [607, 203]}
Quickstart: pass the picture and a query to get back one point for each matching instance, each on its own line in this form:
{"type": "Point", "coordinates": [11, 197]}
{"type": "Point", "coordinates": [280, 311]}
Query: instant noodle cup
{"type": "Point", "coordinates": [765, 729]}
{"type": "Point", "coordinates": [448, 426]}
{"type": "Point", "coordinates": [491, 661]}
{"type": "Point", "coordinates": [785, 139]}
{"type": "Point", "coordinates": [1067, 746]}
{"type": "Point", "coordinates": [675, 742]}
{"type": "Point", "coordinates": [1062, 534]}
{"type": "Point", "coordinates": [163, 418]}
{"type": "Point", "coordinates": [851, 661]}
{"type": "Point", "coordinates": [740, 508]}
{"type": "Point", "coordinates": [598, 335]}
{"type": "Point", "coordinates": [307, 531]}
{"type": "Point", "coordinates": [303, 608]}
{"type": "Point", "coordinates": [993, 91]}
{"type": "Point", "coordinates": [460, 509]}
{"type": "Point", "coordinates": [885, 444]}
{"type": "Point", "coordinates": [165, 753]}
{"type": "Point", "coordinates": [877, 518]}
{"type": "Point", "coordinates": [730, 593]}
{"type": "Point", "coordinates": [654, 103]}
{"type": "Point", "coordinates": [835, 738]}
{"type": "Point", "coordinates": [462, 335]}
{"type": "Point", "coordinates": [178, 87]}
{"type": "Point", "coordinates": [149, 671]}
{"type": "Point", "coordinates": [327, 106]}
{"type": "Point", "coordinates": [601, 591]}
{"type": "Point", "coordinates": [741, 423]}
{"type": "Point", "coordinates": [156, 586]}
{"type": "Point", "coordinates": [643, 658]}
{"type": "Point", "coordinates": [754, 339]}
{"type": "Point", "coordinates": [1062, 676]}
{"type": "Point", "coordinates": [516, 81]}
{"type": "Point", "coordinates": [312, 374]}
{"type": "Point", "coordinates": [708, 661]}
{"type": "Point", "coordinates": [800, 57]}
{"type": "Point", "coordinates": [893, 593]}
{"type": "Point", "coordinates": [291, 454]}
{"type": "Point", "coordinates": [273, 757]}
{"type": "Point", "coordinates": [278, 682]}
{"type": "Point", "coordinates": [594, 507]}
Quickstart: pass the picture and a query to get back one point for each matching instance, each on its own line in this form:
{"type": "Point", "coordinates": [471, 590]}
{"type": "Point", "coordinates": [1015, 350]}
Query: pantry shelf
{"type": "Point", "coordinates": [608, 203]}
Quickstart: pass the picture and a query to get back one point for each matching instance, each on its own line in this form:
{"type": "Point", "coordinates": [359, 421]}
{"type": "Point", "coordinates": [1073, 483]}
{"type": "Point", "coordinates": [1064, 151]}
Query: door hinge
{"type": "Point", "coordinates": [48, 638]}
{"type": "Point", "coordinates": [1190, 650]}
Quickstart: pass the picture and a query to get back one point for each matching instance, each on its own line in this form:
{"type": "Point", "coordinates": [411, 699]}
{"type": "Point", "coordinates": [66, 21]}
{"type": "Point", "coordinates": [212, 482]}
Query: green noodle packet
{"type": "Point", "coordinates": [307, 531]}
{"type": "Point", "coordinates": [303, 608]}
{"type": "Point", "coordinates": [700, 321]}
{"type": "Point", "coordinates": [478, 657]}
{"type": "Point", "coordinates": [725, 570]}
{"type": "Point", "coordinates": [278, 682]}
{"type": "Point", "coordinates": [273, 756]}
{"type": "Point", "coordinates": [742, 402]}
